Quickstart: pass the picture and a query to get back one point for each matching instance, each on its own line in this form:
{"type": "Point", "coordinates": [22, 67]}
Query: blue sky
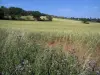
{"type": "Point", "coordinates": [70, 8]}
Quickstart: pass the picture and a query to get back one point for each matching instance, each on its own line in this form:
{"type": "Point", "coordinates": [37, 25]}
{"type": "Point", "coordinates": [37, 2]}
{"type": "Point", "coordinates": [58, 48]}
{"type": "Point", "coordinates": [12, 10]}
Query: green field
{"type": "Point", "coordinates": [58, 25]}
{"type": "Point", "coordinates": [60, 47]}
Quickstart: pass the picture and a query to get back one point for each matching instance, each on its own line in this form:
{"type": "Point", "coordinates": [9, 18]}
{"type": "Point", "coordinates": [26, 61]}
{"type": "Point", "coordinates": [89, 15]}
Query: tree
{"type": "Point", "coordinates": [6, 12]}
{"type": "Point", "coordinates": [84, 20]}
{"type": "Point", "coordinates": [42, 14]}
{"type": "Point", "coordinates": [1, 14]}
{"type": "Point", "coordinates": [98, 20]}
{"type": "Point", "coordinates": [49, 18]}
{"type": "Point", "coordinates": [36, 15]}
{"type": "Point", "coordinates": [15, 12]}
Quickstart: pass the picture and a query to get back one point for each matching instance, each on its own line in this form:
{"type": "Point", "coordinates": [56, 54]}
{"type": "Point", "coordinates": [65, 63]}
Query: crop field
{"type": "Point", "coordinates": [60, 47]}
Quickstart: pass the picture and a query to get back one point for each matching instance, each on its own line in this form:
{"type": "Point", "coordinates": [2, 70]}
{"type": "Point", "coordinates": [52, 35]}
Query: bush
{"type": "Point", "coordinates": [85, 21]}
{"type": "Point", "coordinates": [49, 18]}
{"type": "Point", "coordinates": [13, 17]}
{"type": "Point", "coordinates": [28, 18]}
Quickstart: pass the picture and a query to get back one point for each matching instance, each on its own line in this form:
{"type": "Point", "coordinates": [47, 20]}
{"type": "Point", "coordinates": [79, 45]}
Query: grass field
{"type": "Point", "coordinates": [58, 25]}
{"type": "Point", "coordinates": [61, 47]}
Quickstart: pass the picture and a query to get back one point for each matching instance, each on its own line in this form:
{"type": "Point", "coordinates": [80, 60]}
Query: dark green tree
{"type": "Point", "coordinates": [43, 14]}
{"type": "Point", "coordinates": [1, 14]}
{"type": "Point", "coordinates": [6, 12]}
{"type": "Point", "coordinates": [36, 15]}
{"type": "Point", "coordinates": [15, 13]}
{"type": "Point", "coordinates": [84, 20]}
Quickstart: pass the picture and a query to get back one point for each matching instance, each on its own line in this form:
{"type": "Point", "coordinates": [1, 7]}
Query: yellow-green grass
{"type": "Point", "coordinates": [25, 53]}
{"type": "Point", "coordinates": [49, 51]}
{"type": "Point", "coordinates": [57, 25]}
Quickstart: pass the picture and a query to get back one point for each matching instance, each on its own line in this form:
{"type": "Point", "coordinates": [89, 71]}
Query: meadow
{"type": "Point", "coordinates": [60, 47]}
{"type": "Point", "coordinates": [58, 25]}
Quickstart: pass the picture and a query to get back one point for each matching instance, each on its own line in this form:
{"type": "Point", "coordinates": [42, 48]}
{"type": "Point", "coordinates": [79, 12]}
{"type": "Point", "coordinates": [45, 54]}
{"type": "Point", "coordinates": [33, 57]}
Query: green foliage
{"type": "Point", "coordinates": [85, 21]}
{"type": "Point", "coordinates": [49, 18]}
{"type": "Point", "coordinates": [1, 14]}
{"type": "Point", "coordinates": [43, 14]}
{"type": "Point", "coordinates": [15, 12]}
{"type": "Point", "coordinates": [36, 15]}
{"type": "Point", "coordinates": [28, 18]}
{"type": "Point", "coordinates": [6, 12]}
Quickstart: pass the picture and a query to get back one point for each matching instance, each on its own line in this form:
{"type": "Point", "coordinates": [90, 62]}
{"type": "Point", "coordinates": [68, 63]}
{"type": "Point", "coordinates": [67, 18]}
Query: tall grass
{"type": "Point", "coordinates": [23, 53]}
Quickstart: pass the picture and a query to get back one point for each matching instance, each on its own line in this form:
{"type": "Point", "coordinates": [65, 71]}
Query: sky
{"type": "Point", "coordinates": [67, 8]}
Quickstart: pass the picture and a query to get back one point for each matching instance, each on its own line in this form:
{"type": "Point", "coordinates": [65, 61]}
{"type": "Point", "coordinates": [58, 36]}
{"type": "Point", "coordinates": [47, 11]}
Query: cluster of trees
{"type": "Point", "coordinates": [16, 13]}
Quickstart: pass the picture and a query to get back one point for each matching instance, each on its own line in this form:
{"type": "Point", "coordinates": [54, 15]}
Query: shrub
{"type": "Point", "coordinates": [85, 21]}
{"type": "Point", "coordinates": [49, 18]}
{"type": "Point", "coordinates": [27, 18]}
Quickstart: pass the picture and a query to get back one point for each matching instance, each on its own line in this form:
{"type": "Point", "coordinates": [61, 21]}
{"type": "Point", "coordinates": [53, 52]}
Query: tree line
{"type": "Point", "coordinates": [15, 13]}
{"type": "Point", "coordinates": [79, 19]}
